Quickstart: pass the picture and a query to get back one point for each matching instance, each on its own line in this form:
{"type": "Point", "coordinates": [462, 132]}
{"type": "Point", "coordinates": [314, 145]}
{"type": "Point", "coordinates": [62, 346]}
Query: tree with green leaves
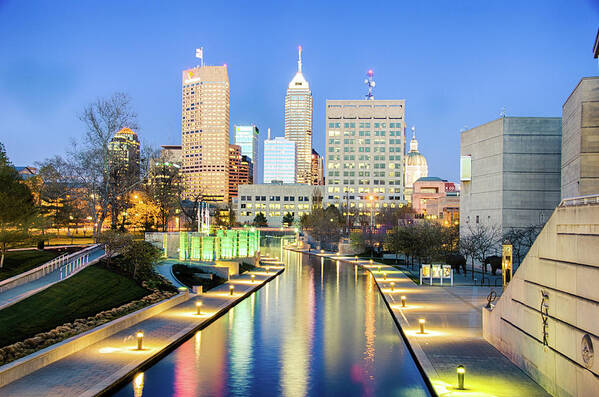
{"type": "Point", "coordinates": [260, 220]}
{"type": "Point", "coordinates": [288, 219]}
{"type": "Point", "coordinates": [17, 205]}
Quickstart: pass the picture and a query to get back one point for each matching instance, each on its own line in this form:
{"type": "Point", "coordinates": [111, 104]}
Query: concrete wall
{"type": "Point", "coordinates": [515, 172]}
{"type": "Point", "coordinates": [580, 140]}
{"type": "Point", "coordinates": [29, 364]}
{"type": "Point", "coordinates": [563, 264]}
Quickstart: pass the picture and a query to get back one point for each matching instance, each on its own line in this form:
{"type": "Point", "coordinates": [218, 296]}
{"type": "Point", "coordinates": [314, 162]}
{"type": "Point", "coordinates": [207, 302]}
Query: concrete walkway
{"type": "Point", "coordinates": [23, 291]}
{"type": "Point", "coordinates": [97, 367]}
{"type": "Point", "coordinates": [453, 335]}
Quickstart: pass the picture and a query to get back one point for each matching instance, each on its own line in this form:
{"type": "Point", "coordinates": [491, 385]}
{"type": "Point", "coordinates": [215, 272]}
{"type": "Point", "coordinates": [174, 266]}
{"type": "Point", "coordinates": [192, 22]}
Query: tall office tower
{"type": "Point", "coordinates": [234, 169]}
{"type": "Point", "coordinates": [365, 155]}
{"type": "Point", "coordinates": [246, 136]}
{"type": "Point", "coordinates": [246, 171]}
{"type": "Point", "coordinates": [205, 133]}
{"type": "Point", "coordinates": [298, 122]}
{"type": "Point", "coordinates": [123, 154]}
{"type": "Point", "coordinates": [279, 160]}
{"type": "Point", "coordinates": [317, 169]}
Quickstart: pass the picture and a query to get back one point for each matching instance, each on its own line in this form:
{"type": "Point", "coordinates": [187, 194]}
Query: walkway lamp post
{"type": "Point", "coordinates": [140, 339]}
{"type": "Point", "coordinates": [199, 307]}
{"type": "Point", "coordinates": [392, 286]}
{"type": "Point", "coordinates": [421, 322]}
{"type": "Point", "coordinates": [403, 301]}
{"type": "Point", "coordinates": [384, 275]}
{"type": "Point", "coordinates": [461, 370]}
{"type": "Point", "coordinates": [231, 289]}
{"type": "Point", "coordinates": [253, 278]}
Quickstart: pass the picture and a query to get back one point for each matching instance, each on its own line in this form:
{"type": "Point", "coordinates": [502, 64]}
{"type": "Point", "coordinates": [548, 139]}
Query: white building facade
{"type": "Point", "coordinates": [279, 160]}
{"type": "Point", "coordinates": [275, 200]}
{"type": "Point", "coordinates": [365, 146]}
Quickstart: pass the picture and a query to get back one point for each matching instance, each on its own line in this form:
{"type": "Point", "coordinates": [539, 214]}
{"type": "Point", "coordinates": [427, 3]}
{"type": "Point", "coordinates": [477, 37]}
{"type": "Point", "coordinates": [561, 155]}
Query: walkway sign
{"type": "Point", "coordinates": [430, 272]}
{"type": "Point", "coordinates": [506, 263]}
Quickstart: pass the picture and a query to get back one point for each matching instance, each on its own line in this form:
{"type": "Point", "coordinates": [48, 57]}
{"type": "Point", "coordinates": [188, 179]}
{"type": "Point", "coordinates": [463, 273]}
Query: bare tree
{"type": "Point", "coordinates": [481, 240]}
{"type": "Point", "coordinates": [87, 170]}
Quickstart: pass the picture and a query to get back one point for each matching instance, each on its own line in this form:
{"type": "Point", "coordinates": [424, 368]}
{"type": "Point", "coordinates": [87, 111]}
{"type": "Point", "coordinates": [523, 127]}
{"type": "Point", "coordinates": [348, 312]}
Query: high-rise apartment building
{"type": "Point", "coordinates": [246, 136]}
{"type": "Point", "coordinates": [298, 122]}
{"type": "Point", "coordinates": [205, 133]}
{"type": "Point", "coordinates": [123, 152]}
{"type": "Point", "coordinates": [234, 169]}
{"type": "Point", "coordinates": [317, 169]}
{"type": "Point", "coordinates": [279, 160]}
{"type": "Point", "coordinates": [365, 144]}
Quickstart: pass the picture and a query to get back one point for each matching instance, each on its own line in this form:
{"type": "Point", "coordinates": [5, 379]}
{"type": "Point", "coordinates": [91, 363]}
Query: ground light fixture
{"type": "Point", "coordinates": [322, 251]}
{"type": "Point", "coordinates": [461, 370]}
{"type": "Point", "coordinates": [392, 286]}
{"type": "Point", "coordinates": [421, 322]}
{"type": "Point", "coordinates": [267, 268]}
{"type": "Point", "coordinates": [253, 278]}
{"type": "Point", "coordinates": [231, 289]}
{"type": "Point", "coordinates": [140, 339]}
{"type": "Point", "coordinates": [379, 269]}
{"type": "Point", "coordinates": [384, 275]}
{"type": "Point", "coordinates": [198, 307]}
{"type": "Point", "coordinates": [356, 258]}
{"type": "Point", "coordinates": [371, 261]}
{"type": "Point", "coordinates": [403, 301]}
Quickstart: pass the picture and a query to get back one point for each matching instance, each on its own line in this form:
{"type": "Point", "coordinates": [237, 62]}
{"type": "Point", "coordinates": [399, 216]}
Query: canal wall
{"type": "Point", "coordinates": [29, 364]}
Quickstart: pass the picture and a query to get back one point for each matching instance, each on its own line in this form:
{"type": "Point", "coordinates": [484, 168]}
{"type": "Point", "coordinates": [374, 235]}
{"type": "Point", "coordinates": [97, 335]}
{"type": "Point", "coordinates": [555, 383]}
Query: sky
{"type": "Point", "coordinates": [456, 63]}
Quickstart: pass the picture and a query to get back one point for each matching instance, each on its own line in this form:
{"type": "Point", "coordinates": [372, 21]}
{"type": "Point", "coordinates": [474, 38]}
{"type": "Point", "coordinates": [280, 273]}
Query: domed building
{"type": "Point", "coordinates": [415, 167]}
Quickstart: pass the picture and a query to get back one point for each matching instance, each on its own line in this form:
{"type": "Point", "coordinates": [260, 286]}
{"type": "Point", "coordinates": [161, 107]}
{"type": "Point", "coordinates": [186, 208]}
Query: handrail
{"type": "Point", "coordinates": [580, 200]}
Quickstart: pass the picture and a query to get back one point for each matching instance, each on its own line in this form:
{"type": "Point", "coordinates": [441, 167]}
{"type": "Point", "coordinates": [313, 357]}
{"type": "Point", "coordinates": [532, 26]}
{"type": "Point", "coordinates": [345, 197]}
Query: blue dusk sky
{"type": "Point", "coordinates": [456, 63]}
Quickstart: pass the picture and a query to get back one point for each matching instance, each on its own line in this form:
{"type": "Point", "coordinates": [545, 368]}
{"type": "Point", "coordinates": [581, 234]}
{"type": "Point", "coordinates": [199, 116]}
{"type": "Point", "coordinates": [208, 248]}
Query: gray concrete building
{"type": "Point", "coordinates": [365, 146]}
{"type": "Point", "coordinates": [510, 172]}
{"type": "Point", "coordinates": [275, 200]}
{"type": "Point", "coordinates": [580, 140]}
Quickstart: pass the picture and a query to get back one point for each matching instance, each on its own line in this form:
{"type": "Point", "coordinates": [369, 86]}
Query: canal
{"type": "Point", "coordinates": [320, 328]}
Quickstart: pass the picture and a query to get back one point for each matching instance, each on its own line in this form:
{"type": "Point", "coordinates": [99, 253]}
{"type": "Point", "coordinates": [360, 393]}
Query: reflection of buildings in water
{"type": "Point", "coordinates": [186, 362]}
{"type": "Point", "coordinates": [240, 356]}
{"type": "Point", "coordinates": [298, 337]}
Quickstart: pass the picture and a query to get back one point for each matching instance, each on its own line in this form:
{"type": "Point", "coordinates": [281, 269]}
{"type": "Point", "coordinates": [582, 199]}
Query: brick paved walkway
{"type": "Point", "coordinates": [96, 367]}
{"type": "Point", "coordinates": [453, 326]}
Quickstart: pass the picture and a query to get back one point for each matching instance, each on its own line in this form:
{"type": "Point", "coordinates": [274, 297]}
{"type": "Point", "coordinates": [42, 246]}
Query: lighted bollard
{"type": "Point", "coordinates": [379, 269]}
{"type": "Point", "coordinates": [140, 340]}
{"type": "Point", "coordinates": [322, 251]}
{"type": "Point", "coordinates": [421, 322]}
{"type": "Point", "coordinates": [384, 275]}
{"type": "Point", "coordinates": [253, 278]}
{"type": "Point", "coordinates": [267, 269]}
{"type": "Point", "coordinates": [392, 286]}
{"type": "Point", "coordinates": [403, 301]}
{"type": "Point", "coordinates": [198, 307]}
{"type": "Point", "coordinates": [231, 289]}
{"type": "Point", "coordinates": [461, 372]}
{"type": "Point", "coordinates": [356, 258]}
{"type": "Point", "coordinates": [371, 261]}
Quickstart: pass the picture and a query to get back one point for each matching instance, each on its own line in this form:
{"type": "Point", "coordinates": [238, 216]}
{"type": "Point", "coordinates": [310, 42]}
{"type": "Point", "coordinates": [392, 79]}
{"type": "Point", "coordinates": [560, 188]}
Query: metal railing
{"type": "Point", "coordinates": [580, 200]}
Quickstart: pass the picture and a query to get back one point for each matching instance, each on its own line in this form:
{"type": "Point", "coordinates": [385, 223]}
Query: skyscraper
{"type": "Point", "coordinates": [123, 151]}
{"type": "Point", "coordinates": [298, 122]}
{"type": "Point", "coordinates": [317, 169]}
{"type": "Point", "coordinates": [205, 133]}
{"type": "Point", "coordinates": [234, 169]}
{"type": "Point", "coordinates": [246, 171]}
{"type": "Point", "coordinates": [246, 136]}
{"type": "Point", "coordinates": [279, 160]}
{"type": "Point", "coordinates": [365, 154]}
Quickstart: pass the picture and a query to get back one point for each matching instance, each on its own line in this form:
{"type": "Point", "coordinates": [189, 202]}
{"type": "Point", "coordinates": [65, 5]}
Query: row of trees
{"type": "Point", "coordinates": [424, 241]}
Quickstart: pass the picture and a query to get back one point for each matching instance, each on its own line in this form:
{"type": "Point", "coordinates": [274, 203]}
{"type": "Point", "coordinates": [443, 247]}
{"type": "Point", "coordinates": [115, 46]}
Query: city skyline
{"type": "Point", "coordinates": [449, 83]}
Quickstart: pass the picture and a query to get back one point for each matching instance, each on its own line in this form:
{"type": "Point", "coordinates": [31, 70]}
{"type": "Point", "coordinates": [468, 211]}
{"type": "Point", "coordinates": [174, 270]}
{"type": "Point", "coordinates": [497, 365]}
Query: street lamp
{"type": "Point", "coordinates": [421, 322]}
{"type": "Point", "coordinates": [140, 339]}
{"type": "Point", "coordinates": [461, 370]}
{"type": "Point", "coordinates": [198, 307]}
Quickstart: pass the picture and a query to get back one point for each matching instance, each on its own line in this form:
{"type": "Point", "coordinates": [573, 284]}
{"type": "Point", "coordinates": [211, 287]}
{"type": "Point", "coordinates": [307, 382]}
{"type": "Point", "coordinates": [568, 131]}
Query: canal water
{"type": "Point", "coordinates": [319, 329]}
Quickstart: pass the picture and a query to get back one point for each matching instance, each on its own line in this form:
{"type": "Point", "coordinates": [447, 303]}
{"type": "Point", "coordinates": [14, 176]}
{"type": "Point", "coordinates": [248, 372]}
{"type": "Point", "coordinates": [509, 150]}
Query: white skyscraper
{"type": "Point", "coordinates": [298, 122]}
{"type": "Point", "coordinates": [246, 136]}
{"type": "Point", "coordinates": [279, 160]}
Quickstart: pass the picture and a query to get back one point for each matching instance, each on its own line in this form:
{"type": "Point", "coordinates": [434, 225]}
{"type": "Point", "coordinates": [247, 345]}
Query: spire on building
{"type": "Point", "coordinates": [413, 142]}
{"type": "Point", "coordinates": [370, 83]}
{"type": "Point", "coordinates": [269, 134]}
{"type": "Point", "coordinates": [299, 60]}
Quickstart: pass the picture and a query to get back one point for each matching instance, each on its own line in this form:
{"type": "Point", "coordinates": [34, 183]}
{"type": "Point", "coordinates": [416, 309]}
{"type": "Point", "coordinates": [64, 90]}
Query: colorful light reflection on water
{"type": "Point", "coordinates": [320, 329]}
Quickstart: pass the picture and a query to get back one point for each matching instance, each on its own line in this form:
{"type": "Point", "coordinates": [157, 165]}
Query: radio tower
{"type": "Point", "coordinates": [370, 83]}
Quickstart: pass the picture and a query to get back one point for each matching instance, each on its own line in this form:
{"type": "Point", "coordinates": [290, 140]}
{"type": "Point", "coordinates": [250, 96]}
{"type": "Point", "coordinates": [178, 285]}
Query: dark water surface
{"type": "Point", "coordinates": [320, 328]}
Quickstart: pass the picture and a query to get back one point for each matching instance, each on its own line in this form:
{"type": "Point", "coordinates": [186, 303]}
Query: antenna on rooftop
{"type": "Point", "coordinates": [502, 114]}
{"type": "Point", "coordinates": [370, 83]}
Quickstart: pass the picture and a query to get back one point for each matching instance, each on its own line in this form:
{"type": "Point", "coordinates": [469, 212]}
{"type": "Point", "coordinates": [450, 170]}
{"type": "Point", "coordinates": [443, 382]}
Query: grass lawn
{"type": "Point", "coordinates": [87, 293]}
{"type": "Point", "coordinates": [17, 262]}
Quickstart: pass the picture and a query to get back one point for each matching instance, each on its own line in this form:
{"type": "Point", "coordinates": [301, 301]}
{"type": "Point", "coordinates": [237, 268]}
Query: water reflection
{"type": "Point", "coordinates": [294, 337]}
